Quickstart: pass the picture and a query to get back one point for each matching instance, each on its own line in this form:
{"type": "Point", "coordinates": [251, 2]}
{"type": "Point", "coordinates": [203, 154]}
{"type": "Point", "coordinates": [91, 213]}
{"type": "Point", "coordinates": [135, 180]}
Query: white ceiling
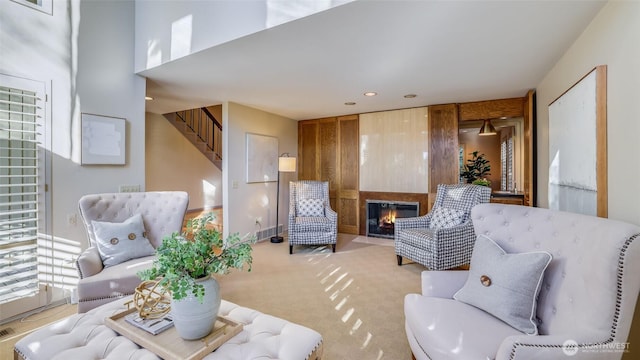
{"type": "Point", "coordinates": [444, 52]}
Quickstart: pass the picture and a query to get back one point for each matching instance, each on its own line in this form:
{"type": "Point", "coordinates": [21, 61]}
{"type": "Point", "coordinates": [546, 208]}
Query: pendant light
{"type": "Point", "coordinates": [487, 129]}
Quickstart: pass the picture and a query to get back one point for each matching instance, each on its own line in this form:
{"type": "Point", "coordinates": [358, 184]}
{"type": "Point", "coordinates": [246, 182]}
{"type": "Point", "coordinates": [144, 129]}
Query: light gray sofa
{"type": "Point", "coordinates": [162, 213]}
{"type": "Point", "coordinates": [587, 296]}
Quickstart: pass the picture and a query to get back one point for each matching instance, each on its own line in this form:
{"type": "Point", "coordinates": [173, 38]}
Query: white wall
{"type": "Point", "coordinates": [84, 52]}
{"type": "Point", "coordinates": [174, 163]}
{"type": "Point", "coordinates": [611, 39]}
{"type": "Point", "coordinates": [244, 203]}
{"type": "Point", "coordinates": [170, 29]}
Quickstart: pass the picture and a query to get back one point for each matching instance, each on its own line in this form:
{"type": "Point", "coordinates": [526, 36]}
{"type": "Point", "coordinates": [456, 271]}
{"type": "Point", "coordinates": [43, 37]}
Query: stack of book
{"type": "Point", "coordinates": [153, 326]}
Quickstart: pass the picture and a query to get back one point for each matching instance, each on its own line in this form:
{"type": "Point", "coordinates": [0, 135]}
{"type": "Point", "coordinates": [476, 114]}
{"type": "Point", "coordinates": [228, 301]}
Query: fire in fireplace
{"type": "Point", "coordinates": [382, 214]}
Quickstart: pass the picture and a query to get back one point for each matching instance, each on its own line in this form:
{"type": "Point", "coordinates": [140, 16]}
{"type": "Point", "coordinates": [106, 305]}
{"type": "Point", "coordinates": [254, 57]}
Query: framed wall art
{"type": "Point", "coordinates": [103, 140]}
{"type": "Point", "coordinates": [262, 158]}
{"type": "Point", "coordinates": [578, 147]}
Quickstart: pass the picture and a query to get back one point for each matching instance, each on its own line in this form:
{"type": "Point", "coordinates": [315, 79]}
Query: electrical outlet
{"type": "Point", "coordinates": [129, 188]}
{"type": "Point", "coordinates": [234, 184]}
{"type": "Point", "coordinates": [72, 219]}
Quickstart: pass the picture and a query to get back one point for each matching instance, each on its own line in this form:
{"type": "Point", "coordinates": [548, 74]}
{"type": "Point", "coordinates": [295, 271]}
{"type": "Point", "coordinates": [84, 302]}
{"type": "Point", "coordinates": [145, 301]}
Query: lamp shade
{"type": "Point", "coordinates": [286, 164]}
{"type": "Point", "coordinates": [487, 129]}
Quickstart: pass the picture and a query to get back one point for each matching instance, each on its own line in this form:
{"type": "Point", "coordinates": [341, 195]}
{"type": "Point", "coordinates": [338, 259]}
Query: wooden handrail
{"type": "Point", "coordinates": [205, 126]}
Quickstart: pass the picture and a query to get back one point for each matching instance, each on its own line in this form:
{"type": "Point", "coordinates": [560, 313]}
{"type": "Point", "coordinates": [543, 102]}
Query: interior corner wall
{"type": "Point", "coordinates": [611, 39]}
{"type": "Point", "coordinates": [244, 203]}
{"type": "Point", "coordinates": [174, 163]}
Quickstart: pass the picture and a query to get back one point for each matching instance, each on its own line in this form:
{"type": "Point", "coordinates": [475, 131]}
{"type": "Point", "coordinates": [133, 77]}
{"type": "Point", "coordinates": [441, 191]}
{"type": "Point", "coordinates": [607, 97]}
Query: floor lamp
{"type": "Point", "coordinates": [285, 164]}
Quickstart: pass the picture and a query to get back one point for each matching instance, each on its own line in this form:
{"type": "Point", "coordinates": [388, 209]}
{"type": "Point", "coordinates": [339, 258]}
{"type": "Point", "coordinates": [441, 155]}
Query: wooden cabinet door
{"type": "Point", "coordinates": [349, 165]}
{"type": "Point", "coordinates": [328, 151]}
{"type": "Point", "coordinates": [307, 153]}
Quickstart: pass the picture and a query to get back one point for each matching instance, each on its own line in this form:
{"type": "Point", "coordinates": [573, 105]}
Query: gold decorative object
{"type": "Point", "coordinates": [151, 300]}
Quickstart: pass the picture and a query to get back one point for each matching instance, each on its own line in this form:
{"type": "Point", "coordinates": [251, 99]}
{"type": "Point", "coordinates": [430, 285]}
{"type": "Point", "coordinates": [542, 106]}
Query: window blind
{"type": "Point", "coordinates": [20, 156]}
{"type": "Point", "coordinates": [506, 162]}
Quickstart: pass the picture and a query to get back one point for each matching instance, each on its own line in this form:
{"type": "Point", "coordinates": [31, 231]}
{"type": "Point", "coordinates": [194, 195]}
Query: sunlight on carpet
{"type": "Point", "coordinates": [373, 240]}
{"type": "Point", "coordinates": [353, 297]}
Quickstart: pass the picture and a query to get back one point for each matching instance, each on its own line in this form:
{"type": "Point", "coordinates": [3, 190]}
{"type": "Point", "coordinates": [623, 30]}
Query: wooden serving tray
{"type": "Point", "coordinates": [168, 344]}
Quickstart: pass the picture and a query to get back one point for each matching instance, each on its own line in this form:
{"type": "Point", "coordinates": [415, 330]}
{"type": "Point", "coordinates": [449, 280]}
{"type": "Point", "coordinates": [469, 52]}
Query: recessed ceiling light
{"type": "Point", "coordinates": [370, 93]}
{"type": "Point", "coordinates": [148, 98]}
{"type": "Point", "coordinates": [350, 103]}
{"type": "Point", "coordinates": [410, 96]}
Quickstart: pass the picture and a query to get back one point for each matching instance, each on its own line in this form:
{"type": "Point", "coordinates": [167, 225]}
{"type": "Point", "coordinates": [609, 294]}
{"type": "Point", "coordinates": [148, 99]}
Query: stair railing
{"type": "Point", "coordinates": [206, 127]}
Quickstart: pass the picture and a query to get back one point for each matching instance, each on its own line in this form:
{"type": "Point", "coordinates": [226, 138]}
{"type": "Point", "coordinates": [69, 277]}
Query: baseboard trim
{"type": "Point", "coordinates": [35, 311]}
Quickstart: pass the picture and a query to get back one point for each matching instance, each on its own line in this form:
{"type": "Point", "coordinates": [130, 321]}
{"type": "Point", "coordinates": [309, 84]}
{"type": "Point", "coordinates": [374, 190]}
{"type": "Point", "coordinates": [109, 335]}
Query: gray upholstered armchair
{"type": "Point", "coordinates": [106, 276]}
{"type": "Point", "coordinates": [311, 219]}
{"type": "Point", "coordinates": [443, 238]}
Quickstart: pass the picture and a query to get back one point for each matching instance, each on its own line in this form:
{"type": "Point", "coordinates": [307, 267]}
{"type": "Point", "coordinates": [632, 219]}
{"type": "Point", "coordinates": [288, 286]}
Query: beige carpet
{"type": "Point", "coordinates": [353, 297]}
{"type": "Point", "coordinates": [373, 240]}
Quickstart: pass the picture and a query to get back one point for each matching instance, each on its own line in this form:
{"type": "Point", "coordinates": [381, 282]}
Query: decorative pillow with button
{"type": "Point", "coordinates": [505, 285]}
{"type": "Point", "coordinates": [119, 242]}
{"type": "Point", "coordinates": [310, 207]}
{"type": "Point", "coordinates": [443, 217]}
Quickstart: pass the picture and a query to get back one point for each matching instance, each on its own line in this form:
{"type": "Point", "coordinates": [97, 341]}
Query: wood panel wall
{"type": "Point", "coordinates": [328, 151]}
{"type": "Point", "coordinates": [444, 167]}
{"type": "Point", "coordinates": [491, 109]}
{"type": "Point", "coordinates": [317, 146]}
{"type": "Point", "coordinates": [308, 157]}
{"type": "Point", "coordinates": [348, 130]}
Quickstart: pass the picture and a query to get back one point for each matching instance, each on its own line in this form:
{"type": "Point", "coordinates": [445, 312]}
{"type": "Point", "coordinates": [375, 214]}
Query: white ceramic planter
{"type": "Point", "coordinates": [192, 319]}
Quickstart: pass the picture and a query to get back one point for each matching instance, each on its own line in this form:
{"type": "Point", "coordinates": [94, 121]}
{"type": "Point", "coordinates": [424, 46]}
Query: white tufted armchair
{"type": "Point", "coordinates": [162, 214]}
{"type": "Point", "coordinates": [587, 296]}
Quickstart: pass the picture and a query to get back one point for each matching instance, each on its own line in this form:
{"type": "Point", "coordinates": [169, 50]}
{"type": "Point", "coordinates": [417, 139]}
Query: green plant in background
{"type": "Point", "coordinates": [482, 182]}
{"type": "Point", "coordinates": [476, 169]}
{"type": "Point", "coordinates": [197, 253]}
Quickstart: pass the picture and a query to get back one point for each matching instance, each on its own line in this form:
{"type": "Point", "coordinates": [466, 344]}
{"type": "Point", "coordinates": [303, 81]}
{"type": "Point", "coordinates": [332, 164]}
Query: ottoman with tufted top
{"type": "Point", "coordinates": [85, 336]}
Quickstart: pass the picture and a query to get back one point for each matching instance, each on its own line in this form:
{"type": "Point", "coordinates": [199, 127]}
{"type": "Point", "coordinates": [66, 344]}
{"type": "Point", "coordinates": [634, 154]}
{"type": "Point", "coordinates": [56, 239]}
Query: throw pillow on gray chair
{"type": "Point", "coordinates": [443, 238]}
{"type": "Point", "coordinates": [311, 219]}
{"type": "Point", "coordinates": [123, 230]}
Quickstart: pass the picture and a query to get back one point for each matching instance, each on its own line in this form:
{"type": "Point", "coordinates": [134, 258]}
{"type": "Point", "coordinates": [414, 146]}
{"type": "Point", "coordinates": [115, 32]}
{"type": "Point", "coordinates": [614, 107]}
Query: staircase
{"type": "Point", "coordinates": [202, 129]}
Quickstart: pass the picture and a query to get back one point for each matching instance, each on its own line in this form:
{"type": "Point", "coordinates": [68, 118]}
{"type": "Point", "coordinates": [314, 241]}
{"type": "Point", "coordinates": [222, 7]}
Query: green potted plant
{"type": "Point", "coordinates": [476, 168]}
{"type": "Point", "coordinates": [184, 264]}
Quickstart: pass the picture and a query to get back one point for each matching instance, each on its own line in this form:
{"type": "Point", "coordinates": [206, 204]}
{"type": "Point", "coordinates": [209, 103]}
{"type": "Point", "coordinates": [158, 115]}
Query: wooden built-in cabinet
{"type": "Point", "coordinates": [328, 151]}
{"type": "Point", "coordinates": [507, 198]}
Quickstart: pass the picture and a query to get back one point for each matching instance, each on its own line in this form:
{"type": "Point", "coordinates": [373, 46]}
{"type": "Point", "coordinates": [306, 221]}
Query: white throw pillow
{"type": "Point", "coordinates": [310, 207]}
{"type": "Point", "coordinates": [505, 285]}
{"type": "Point", "coordinates": [119, 242]}
{"type": "Point", "coordinates": [445, 218]}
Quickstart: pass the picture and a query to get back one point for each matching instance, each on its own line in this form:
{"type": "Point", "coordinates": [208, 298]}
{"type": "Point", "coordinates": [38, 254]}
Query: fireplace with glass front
{"type": "Point", "coordinates": [382, 214]}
